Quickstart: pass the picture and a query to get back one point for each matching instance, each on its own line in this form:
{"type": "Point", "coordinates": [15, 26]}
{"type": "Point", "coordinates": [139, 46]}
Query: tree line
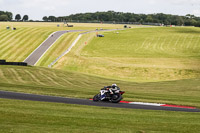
{"type": "Point", "coordinates": [8, 16]}
{"type": "Point", "coordinates": [120, 17]}
{"type": "Point", "coordinates": [5, 16]}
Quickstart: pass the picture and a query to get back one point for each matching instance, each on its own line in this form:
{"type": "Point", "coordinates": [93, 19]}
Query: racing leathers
{"type": "Point", "coordinates": [111, 89]}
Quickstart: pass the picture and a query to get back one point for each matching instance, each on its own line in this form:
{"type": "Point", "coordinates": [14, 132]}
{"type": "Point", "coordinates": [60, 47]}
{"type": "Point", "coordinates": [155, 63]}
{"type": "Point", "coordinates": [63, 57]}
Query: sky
{"type": "Point", "coordinates": [37, 9]}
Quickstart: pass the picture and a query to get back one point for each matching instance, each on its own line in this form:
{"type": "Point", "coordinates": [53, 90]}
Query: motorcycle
{"type": "Point", "coordinates": [116, 97]}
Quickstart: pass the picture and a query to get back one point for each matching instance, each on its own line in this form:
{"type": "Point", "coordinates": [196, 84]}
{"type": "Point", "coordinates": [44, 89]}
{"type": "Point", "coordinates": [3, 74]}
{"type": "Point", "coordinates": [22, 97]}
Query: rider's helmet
{"type": "Point", "coordinates": [114, 85]}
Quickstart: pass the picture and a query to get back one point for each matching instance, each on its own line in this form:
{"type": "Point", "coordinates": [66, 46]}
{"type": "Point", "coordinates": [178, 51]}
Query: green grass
{"type": "Point", "coordinates": [139, 54]}
{"type": "Point", "coordinates": [39, 80]}
{"type": "Point", "coordinates": [19, 44]}
{"type": "Point", "coordinates": [147, 42]}
{"type": "Point", "coordinates": [26, 116]}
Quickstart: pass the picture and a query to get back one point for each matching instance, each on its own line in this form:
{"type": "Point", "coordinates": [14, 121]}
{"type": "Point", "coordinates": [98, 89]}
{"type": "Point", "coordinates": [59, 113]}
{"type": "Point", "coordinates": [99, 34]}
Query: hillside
{"type": "Point", "coordinates": [138, 54]}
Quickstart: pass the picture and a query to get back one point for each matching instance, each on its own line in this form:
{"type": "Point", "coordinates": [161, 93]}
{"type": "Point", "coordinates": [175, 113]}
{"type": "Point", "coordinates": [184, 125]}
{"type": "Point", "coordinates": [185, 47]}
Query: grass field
{"type": "Point", "coordinates": [19, 44]}
{"type": "Point", "coordinates": [25, 116]}
{"type": "Point", "coordinates": [139, 54]}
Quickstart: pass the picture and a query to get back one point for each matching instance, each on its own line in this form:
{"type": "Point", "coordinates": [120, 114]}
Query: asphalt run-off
{"type": "Point", "coordinates": [89, 102]}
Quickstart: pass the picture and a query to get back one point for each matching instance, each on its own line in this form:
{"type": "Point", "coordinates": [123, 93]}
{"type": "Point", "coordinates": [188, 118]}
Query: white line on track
{"type": "Point", "coordinates": [67, 51]}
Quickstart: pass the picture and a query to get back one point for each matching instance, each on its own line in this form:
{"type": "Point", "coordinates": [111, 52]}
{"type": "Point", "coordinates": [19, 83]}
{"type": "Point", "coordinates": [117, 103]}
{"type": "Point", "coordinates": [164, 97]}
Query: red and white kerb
{"type": "Point", "coordinates": [157, 104]}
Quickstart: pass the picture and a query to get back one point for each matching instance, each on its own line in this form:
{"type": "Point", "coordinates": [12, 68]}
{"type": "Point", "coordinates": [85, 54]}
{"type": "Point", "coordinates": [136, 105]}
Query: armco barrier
{"type": "Point", "coordinates": [3, 62]}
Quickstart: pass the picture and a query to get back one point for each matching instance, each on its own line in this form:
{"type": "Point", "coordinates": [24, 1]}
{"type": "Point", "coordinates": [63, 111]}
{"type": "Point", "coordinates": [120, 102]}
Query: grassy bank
{"type": "Point", "coordinates": [139, 54]}
{"type": "Point", "coordinates": [26, 116]}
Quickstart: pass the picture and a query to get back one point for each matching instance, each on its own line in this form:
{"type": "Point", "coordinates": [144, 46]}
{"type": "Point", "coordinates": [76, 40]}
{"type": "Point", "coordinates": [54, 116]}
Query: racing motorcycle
{"type": "Point", "coordinates": [105, 95]}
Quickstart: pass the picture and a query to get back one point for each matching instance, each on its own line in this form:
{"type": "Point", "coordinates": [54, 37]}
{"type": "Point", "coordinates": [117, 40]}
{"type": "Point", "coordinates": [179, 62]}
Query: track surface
{"type": "Point", "coordinates": [32, 97]}
{"type": "Point", "coordinates": [37, 54]}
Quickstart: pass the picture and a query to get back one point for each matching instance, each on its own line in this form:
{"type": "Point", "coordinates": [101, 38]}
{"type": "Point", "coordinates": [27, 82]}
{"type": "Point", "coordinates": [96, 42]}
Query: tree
{"type": "Point", "coordinates": [7, 16]}
{"type": "Point", "coordinates": [45, 18]}
{"type": "Point", "coordinates": [18, 17]}
{"type": "Point", "coordinates": [132, 20]}
{"type": "Point", "coordinates": [52, 18]}
{"type": "Point", "coordinates": [4, 18]}
{"type": "Point", "coordinates": [10, 16]}
{"type": "Point", "coordinates": [149, 18]}
{"type": "Point", "coordinates": [25, 18]}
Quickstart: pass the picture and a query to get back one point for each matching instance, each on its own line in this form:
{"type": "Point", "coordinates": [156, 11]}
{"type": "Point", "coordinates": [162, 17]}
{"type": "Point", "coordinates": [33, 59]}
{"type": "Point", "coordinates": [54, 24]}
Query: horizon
{"type": "Point", "coordinates": [37, 9]}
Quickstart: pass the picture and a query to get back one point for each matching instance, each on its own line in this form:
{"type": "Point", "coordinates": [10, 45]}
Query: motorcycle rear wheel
{"type": "Point", "coordinates": [116, 98]}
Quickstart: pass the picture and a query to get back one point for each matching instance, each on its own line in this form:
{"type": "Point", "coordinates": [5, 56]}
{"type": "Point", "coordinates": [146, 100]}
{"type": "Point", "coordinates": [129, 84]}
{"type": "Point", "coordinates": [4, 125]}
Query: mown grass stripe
{"type": "Point", "coordinates": [2, 76]}
{"type": "Point", "coordinates": [22, 45]}
{"type": "Point", "coordinates": [63, 79]}
{"type": "Point", "coordinates": [50, 79]}
{"type": "Point", "coordinates": [16, 42]}
{"type": "Point", "coordinates": [3, 33]}
{"type": "Point", "coordinates": [23, 39]}
{"type": "Point", "coordinates": [184, 42]}
{"type": "Point", "coordinates": [34, 77]}
{"type": "Point", "coordinates": [156, 44]}
{"type": "Point", "coordinates": [10, 43]}
{"type": "Point", "coordinates": [9, 75]}
{"type": "Point", "coordinates": [190, 42]}
{"type": "Point", "coordinates": [9, 37]}
{"type": "Point", "coordinates": [177, 41]}
{"type": "Point", "coordinates": [16, 75]}
{"type": "Point", "coordinates": [197, 43]}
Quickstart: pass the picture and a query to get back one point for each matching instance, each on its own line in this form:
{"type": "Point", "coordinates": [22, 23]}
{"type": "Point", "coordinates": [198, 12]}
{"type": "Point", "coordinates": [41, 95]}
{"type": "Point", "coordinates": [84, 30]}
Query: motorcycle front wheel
{"type": "Point", "coordinates": [96, 98]}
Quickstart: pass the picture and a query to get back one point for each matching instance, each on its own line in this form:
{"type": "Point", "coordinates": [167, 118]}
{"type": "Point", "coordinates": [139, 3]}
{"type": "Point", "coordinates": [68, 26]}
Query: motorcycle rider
{"type": "Point", "coordinates": [111, 89]}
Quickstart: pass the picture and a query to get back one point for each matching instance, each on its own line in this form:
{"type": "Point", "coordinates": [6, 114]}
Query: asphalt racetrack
{"type": "Point", "coordinates": [37, 54]}
{"type": "Point", "coordinates": [42, 98]}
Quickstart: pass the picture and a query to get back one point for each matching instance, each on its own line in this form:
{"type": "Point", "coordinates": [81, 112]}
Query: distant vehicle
{"type": "Point", "coordinates": [100, 35]}
{"type": "Point", "coordinates": [70, 25]}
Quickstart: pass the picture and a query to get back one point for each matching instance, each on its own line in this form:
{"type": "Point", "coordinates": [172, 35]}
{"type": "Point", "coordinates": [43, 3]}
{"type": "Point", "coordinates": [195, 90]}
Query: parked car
{"type": "Point", "coordinates": [100, 35]}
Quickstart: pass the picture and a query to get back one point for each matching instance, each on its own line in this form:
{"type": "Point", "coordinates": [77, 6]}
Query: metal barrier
{"type": "Point", "coordinates": [3, 62]}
